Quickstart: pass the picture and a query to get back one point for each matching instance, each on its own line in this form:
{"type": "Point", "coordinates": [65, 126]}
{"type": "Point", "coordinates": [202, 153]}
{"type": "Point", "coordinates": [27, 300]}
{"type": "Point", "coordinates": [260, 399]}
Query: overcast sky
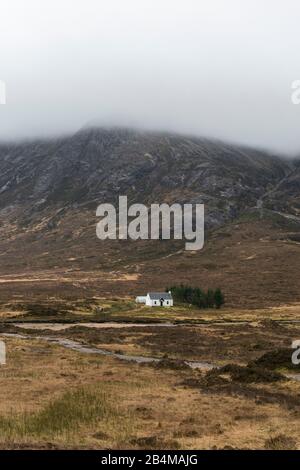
{"type": "Point", "coordinates": [220, 68]}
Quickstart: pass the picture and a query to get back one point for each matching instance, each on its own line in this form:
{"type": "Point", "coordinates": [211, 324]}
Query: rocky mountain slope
{"type": "Point", "coordinates": [96, 165]}
{"type": "Point", "coordinates": [49, 191]}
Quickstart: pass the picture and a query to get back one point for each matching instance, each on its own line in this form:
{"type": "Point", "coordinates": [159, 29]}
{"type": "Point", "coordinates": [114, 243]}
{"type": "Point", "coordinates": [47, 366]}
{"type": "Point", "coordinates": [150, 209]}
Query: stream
{"type": "Point", "coordinates": [85, 349]}
{"type": "Point", "coordinates": [76, 346]}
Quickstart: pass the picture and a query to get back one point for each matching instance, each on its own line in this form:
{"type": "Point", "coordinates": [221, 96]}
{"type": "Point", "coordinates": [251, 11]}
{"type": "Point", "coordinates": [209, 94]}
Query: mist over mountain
{"type": "Point", "coordinates": [212, 68]}
{"type": "Point", "coordinates": [97, 165]}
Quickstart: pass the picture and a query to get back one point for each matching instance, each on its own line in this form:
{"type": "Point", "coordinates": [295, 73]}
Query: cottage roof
{"type": "Point", "coordinates": [160, 295]}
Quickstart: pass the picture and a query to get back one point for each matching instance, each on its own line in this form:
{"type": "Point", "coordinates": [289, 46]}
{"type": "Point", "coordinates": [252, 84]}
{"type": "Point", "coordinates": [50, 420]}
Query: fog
{"type": "Point", "coordinates": [215, 68]}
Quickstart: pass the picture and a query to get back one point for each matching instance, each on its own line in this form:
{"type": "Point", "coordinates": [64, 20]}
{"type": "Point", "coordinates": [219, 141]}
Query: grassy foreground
{"type": "Point", "coordinates": [58, 398]}
{"type": "Point", "coordinates": [59, 416]}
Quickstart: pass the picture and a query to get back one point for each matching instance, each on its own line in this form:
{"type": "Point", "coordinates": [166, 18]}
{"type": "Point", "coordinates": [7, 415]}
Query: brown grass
{"type": "Point", "coordinates": [57, 398]}
{"type": "Point", "coordinates": [255, 262]}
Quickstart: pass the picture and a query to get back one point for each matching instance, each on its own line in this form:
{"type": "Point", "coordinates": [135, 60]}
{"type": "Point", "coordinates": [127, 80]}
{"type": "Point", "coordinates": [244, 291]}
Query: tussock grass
{"type": "Point", "coordinates": [281, 442]}
{"type": "Point", "coordinates": [86, 405]}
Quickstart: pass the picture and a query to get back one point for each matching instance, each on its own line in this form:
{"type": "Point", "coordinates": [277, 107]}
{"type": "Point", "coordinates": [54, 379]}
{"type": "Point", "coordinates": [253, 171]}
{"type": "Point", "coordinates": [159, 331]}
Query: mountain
{"type": "Point", "coordinates": [97, 164]}
{"type": "Point", "coordinates": [50, 189]}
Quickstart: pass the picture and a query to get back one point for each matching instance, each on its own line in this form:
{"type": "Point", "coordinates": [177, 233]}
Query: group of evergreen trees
{"type": "Point", "coordinates": [195, 296]}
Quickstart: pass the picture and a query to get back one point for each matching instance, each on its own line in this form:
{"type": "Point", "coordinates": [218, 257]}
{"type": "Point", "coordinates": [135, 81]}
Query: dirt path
{"type": "Point", "coordinates": [64, 326]}
{"type": "Point", "coordinates": [52, 326]}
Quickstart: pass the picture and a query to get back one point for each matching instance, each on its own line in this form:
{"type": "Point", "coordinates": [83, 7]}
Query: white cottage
{"type": "Point", "coordinates": [156, 299]}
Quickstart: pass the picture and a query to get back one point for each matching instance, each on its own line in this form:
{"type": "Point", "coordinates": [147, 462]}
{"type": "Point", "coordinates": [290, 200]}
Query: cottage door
{"type": "Point", "coordinates": [161, 302]}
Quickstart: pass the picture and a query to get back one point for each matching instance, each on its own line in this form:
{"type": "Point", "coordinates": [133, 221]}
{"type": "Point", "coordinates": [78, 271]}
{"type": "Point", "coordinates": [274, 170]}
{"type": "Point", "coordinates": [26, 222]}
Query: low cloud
{"type": "Point", "coordinates": [213, 68]}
